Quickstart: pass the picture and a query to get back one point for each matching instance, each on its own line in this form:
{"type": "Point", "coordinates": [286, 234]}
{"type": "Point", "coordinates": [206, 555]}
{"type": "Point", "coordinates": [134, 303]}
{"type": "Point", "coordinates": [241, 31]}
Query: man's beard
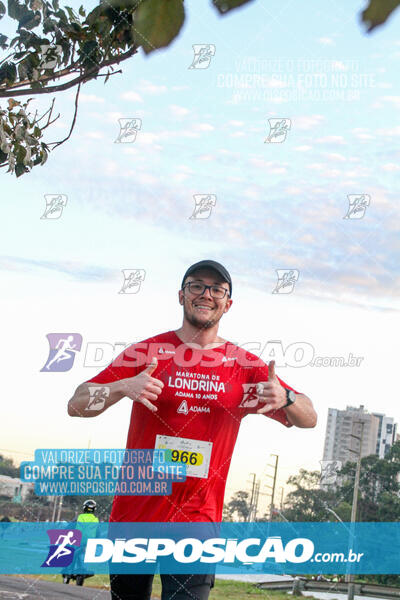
{"type": "Point", "coordinates": [192, 319]}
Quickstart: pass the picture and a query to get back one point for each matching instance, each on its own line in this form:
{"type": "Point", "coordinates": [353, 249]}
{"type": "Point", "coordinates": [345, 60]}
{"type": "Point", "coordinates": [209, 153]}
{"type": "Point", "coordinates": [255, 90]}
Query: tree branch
{"type": "Point", "coordinates": [73, 121]}
{"type": "Point", "coordinates": [90, 74]}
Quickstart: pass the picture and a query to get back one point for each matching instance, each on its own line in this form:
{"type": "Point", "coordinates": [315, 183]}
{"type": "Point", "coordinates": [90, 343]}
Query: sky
{"type": "Point", "coordinates": [277, 206]}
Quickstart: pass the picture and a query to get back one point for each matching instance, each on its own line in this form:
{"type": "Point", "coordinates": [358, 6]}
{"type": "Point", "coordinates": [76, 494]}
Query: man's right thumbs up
{"type": "Point", "coordinates": [144, 388]}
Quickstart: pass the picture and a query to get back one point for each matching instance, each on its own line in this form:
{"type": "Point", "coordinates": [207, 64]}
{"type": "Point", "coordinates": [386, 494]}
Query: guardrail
{"type": "Point", "coordinates": [361, 589]}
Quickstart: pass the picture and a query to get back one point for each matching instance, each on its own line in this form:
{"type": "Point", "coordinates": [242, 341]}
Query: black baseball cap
{"type": "Point", "coordinates": [210, 264]}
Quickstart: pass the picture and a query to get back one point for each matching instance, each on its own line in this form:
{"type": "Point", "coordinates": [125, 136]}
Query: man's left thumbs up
{"type": "Point", "coordinates": [271, 392]}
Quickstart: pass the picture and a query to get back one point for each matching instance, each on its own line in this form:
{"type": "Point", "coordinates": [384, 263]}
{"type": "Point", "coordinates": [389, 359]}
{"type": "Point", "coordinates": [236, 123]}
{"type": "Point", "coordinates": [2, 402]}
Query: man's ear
{"type": "Point", "coordinates": [180, 295]}
{"type": "Point", "coordinates": [228, 305]}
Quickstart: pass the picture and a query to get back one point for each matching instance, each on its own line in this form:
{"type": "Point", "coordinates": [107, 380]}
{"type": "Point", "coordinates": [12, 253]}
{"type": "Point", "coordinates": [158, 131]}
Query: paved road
{"type": "Point", "coordinates": [26, 588]}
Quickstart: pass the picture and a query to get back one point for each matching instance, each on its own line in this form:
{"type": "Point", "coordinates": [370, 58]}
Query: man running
{"type": "Point", "coordinates": [190, 389]}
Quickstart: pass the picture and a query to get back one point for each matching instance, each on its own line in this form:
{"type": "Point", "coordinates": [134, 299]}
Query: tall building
{"type": "Point", "coordinates": [386, 434]}
{"type": "Point", "coordinates": [378, 435]}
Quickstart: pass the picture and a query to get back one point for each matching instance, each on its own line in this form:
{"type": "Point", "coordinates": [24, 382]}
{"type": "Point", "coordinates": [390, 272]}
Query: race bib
{"type": "Point", "coordinates": [195, 454]}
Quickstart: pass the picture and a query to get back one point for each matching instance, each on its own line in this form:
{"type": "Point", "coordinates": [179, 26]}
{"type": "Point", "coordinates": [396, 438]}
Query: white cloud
{"type": "Point", "coordinates": [335, 156]}
{"type": "Point", "coordinates": [393, 131]}
{"type": "Point", "coordinates": [146, 178]}
{"type": "Point", "coordinates": [326, 41]}
{"type": "Point", "coordinates": [316, 166]}
{"type": "Point", "coordinates": [132, 97]}
{"type": "Point", "coordinates": [179, 111]}
{"type": "Point", "coordinates": [364, 136]}
{"type": "Point", "coordinates": [395, 100]}
{"type": "Point", "coordinates": [338, 65]}
{"type": "Point", "coordinates": [94, 135]}
{"type": "Point", "coordinates": [90, 98]}
{"type": "Point", "coordinates": [307, 122]}
{"type": "Point", "coordinates": [179, 177]}
{"type": "Point", "coordinates": [304, 148]}
{"type": "Point", "coordinates": [391, 167]}
{"type": "Point", "coordinates": [236, 123]}
{"type": "Point", "coordinates": [203, 127]}
{"type": "Point", "coordinates": [180, 88]}
{"type": "Point", "coordinates": [185, 169]}
{"type": "Point", "coordinates": [330, 139]}
{"type": "Point", "coordinates": [147, 87]}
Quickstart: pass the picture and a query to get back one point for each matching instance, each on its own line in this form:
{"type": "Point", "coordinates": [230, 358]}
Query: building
{"type": "Point", "coordinates": [386, 434]}
{"type": "Point", "coordinates": [379, 433]}
{"type": "Point", "coordinates": [14, 489]}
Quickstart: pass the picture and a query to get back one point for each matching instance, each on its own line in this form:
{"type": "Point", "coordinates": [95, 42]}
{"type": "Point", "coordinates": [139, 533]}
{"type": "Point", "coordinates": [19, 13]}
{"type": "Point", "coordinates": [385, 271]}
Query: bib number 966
{"type": "Point", "coordinates": [185, 457]}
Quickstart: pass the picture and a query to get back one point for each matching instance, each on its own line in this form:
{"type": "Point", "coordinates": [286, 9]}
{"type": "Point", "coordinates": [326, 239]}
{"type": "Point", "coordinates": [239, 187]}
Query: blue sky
{"type": "Point", "coordinates": [278, 206]}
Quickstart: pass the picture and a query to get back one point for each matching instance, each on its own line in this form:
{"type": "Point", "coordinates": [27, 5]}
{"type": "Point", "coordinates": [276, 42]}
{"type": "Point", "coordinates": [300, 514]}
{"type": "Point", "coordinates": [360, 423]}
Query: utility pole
{"type": "Point", "coordinates": [53, 517]}
{"type": "Point", "coordinates": [281, 503]}
{"type": "Point", "coordinates": [256, 494]}
{"type": "Point", "coordinates": [252, 497]}
{"type": "Point", "coordinates": [60, 503]}
{"type": "Point", "coordinates": [350, 576]}
{"type": "Point", "coordinates": [273, 477]}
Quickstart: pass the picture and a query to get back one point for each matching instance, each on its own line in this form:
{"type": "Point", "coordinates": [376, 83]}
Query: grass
{"type": "Point", "coordinates": [234, 590]}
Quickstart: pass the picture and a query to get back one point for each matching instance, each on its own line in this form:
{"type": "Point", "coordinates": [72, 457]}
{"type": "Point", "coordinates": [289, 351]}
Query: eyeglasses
{"type": "Point", "coordinates": [199, 288]}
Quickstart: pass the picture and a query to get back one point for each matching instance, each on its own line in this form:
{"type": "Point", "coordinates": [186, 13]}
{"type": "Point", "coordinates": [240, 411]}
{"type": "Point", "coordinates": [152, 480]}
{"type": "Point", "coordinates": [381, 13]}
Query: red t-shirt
{"type": "Point", "coordinates": [206, 394]}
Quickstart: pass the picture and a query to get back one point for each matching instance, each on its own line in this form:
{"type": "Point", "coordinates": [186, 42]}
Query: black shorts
{"type": "Point", "coordinates": [174, 587]}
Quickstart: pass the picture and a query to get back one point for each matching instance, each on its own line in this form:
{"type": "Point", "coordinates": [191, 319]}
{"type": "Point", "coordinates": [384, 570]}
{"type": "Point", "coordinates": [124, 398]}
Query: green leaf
{"type": "Point", "coordinates": [44, 156]}
{"type": "Point", "coordinates": [377, 12]}
{"type": "Point", "coordinates": [17, 10]}
{"type": "Point", "coordinates": [66, 48]}
{"type": "Point", "coordinates": [224, 6]}
{"type": "Point", "coordinates": [157, 23]}
{"type": "Point", "coordinates": [3, 40]}
{"type": "Point", "coordinates": [71, 14]}
{"type": "Point", "coordinates": [82, 11]}
{"type": "Point", "coordinates": [3, 156]}
{"type": "Point", "coordinates": [20, 154]}
{"type": "Point", "coordinates": [2, 10]}
{"type": "Point", "coordinates": [88, 54]}
{"type": "Point", "coordinates": [20, 169]}
{"type": "Point", "coordinates": [8, 73]}
{"type": "Point", "coordinates": [30, 20]}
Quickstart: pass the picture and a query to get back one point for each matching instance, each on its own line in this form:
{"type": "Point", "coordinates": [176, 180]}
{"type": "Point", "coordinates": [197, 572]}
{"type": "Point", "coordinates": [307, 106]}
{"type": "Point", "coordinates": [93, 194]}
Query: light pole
{"type": "Point", "coordinates": [275, 467]}
{"type": "Point", "coordinates": [350, 576]}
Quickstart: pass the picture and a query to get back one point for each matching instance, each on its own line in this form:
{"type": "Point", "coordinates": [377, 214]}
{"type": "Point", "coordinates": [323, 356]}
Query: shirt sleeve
{"type": "Point", "coordinates": [127, 364]}
{"type": "Point", "coordinates": [260, 373]}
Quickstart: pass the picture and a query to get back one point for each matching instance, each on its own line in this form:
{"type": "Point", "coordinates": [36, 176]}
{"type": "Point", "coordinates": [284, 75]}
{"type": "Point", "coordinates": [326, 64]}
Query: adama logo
{"type": "Point", "coordinates": [184, 409]}
{"type": "Point", "coordinates": [250, 397]}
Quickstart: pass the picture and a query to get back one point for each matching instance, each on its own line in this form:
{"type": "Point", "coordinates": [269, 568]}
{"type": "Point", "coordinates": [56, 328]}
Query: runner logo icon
{"type": "Point", "coordinates": [63, 543]}
{"type": "Point", "coordinates": [250, 397]}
